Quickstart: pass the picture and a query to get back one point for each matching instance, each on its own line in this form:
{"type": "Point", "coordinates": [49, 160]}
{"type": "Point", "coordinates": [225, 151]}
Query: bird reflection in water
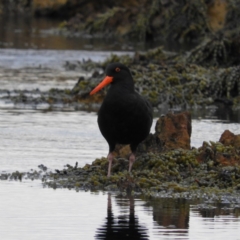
{"type": "Point", "coordinates": [124, 226]}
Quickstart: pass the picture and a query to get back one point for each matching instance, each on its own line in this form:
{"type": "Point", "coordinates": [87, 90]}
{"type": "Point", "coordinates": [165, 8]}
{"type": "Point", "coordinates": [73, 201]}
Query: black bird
{"type": "Point", "coordinates": [124, 117]}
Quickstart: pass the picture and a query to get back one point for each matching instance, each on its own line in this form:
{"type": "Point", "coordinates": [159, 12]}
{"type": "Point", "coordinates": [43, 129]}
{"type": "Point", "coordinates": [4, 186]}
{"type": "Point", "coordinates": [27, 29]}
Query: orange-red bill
{"type": "Point", "coordinates": [107, 80]}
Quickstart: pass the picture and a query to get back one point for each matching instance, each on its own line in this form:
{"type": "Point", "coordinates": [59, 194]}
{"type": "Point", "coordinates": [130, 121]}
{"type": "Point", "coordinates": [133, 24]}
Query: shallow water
{"type": "Point", "coordinates": [31, 212]}
{"type": "Point", "coordinates": [25, 32]}
{"type": "Point", "coordinates": [56, 138]}
{"type": "Point", "coordinates": [24, 59]}
{"type": "Point", "coordinates": [30, 137]}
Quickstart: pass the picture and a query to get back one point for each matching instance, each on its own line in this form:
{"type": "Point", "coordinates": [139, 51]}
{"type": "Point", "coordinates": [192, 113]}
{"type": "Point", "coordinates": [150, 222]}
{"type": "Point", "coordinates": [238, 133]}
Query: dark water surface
{"type": "Point", "coordinates": [29, 211]}
{"type": "Point", "coordinates": [30, 137]}
{"type": "Point", "coordinates": [26, 32]}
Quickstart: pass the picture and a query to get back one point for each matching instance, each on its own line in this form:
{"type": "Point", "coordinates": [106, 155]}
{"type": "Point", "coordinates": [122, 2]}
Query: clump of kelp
{"type": "Point", "coordinates": [172, 20]}
{"type": "Point", "coordinates": [172, 79]}
{"type": "Point", "coordinates": [214, 168]}
{"type": "Point", "coordinates": [142, 20]}
{"type": "Point", "coordinates": [177, 173]}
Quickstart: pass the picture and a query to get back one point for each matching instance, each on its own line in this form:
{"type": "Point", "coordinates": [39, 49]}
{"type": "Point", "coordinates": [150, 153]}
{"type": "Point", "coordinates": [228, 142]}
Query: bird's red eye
{"type": "Point", "coordinates": [117, 69]}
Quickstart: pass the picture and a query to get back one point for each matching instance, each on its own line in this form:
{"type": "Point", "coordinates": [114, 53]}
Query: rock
{"type": "Point", "coordinates": [46, 7]}
{"type": "Point", "coordinates": [174, 131]}
{"type": "Point", "coordinates": [217, 11]}
{"type": "Point", "coordinates": [228, 138]}
{"type": "Point", "coordinates": [223, 153]}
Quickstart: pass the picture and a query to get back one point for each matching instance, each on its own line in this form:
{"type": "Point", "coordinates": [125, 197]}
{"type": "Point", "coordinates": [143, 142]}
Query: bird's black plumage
{"type": "Point", "coordinates": [124, 117]}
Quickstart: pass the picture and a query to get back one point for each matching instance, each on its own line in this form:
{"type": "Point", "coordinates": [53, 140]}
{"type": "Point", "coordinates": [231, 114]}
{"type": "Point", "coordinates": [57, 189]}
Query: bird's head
{"type": "Point", "coordinates": [115, 72]}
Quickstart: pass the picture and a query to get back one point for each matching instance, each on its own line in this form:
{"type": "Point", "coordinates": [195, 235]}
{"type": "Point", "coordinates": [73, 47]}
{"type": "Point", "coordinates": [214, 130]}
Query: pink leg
{"type": "Point", "coordinates": [110, 158]}
{"type": "Point", "coordinates": [131, 161]}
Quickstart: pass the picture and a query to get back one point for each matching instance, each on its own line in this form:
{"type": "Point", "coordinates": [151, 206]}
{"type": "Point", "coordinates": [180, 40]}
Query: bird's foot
{"type": "Point", "coordinates": [131, 161]}
{"type": "Point", "coordinates": [110, 158]}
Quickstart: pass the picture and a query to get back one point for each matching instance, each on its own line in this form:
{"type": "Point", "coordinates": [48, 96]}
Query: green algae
{"type": "Point", "coordinates": [196, 173]}
{"type": "Point", "coordinates": [177, 171]}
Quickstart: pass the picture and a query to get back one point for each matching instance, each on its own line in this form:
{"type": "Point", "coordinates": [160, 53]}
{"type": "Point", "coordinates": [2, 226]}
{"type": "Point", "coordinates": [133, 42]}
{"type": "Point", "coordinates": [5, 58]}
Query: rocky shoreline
{"type": "Point", "coordinates": [143, 20]}
{"type": "Point", "coordinates": [166, 167]}
{"type": "Point", "coordinates": [166, 79]}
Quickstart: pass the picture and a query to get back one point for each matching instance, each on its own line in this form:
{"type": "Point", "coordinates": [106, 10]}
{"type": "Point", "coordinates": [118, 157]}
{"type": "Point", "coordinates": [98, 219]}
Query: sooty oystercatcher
{"type": "Point", "coordinates": [124, 117]}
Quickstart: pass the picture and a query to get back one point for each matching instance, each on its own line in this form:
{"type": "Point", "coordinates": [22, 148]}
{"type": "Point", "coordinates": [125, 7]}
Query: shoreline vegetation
{"type": "Point", "coordinates": [208, 74]}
